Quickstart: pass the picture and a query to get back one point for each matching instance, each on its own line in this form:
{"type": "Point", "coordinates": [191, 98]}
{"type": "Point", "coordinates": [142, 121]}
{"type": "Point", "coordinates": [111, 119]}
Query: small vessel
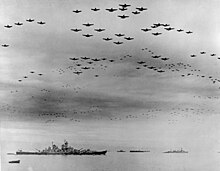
{"type": "Point", "coordinates": [139, 151]}
{"type": "Point", "coordinates": [176, 151]}
{"type": "Point", "coordinates": [14, 161]}
{"type": "Point", "coordinates": [121, 151]}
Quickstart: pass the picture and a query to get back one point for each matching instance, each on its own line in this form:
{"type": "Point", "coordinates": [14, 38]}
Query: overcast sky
{"type": "Point", "coordinates": [115, 96]}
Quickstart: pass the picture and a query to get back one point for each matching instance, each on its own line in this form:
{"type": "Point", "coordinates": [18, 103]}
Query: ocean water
{"type": "Point", "coordinates": [117, 162]}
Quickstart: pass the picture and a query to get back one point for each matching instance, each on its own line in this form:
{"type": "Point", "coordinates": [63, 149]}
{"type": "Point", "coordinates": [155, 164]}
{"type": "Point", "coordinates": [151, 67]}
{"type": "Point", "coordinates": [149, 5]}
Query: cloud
{"type": "Point", "coordinates": [81, 105]}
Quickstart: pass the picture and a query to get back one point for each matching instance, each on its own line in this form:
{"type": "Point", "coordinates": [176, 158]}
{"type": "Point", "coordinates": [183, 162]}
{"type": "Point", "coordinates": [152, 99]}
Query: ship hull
{"type": "Point", "coordinates": [14, 161]}
{"type": "Point", "coordinates": [62, 153]}
{"type": "Point", "coordinates": [138, 151]}
{"type": "Point", "coordinates": [176, 152]}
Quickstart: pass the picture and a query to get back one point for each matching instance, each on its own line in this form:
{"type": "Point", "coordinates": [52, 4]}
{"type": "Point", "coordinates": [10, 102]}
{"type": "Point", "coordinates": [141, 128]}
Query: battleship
{"type": "Point", "coordinates": [176, 151]}
{"type": "Point", "coordinates": [64, 150]}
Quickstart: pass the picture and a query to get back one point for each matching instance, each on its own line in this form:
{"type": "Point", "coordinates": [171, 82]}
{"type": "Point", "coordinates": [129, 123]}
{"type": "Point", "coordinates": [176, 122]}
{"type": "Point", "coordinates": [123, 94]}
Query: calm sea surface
{"type": "Point", "coordinates": [117, 162]}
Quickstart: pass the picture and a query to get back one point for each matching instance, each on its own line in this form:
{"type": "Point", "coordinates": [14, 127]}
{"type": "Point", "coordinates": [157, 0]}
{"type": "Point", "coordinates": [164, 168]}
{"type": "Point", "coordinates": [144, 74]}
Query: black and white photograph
{"type": "Point", "coordinates": [109, 85]}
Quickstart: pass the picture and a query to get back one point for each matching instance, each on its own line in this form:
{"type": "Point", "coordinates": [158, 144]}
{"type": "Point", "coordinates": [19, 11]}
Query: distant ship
{"type": "Point", "coordinates": [176, 151]}
{"type": "Point", "coordinates": [121, 151]}
{"type": "Point", "coordinates": [64, 150]}
{"type": "Point", "coordinates": [14, 161]}
{"type": "Point", "coordinates": [139, 151]}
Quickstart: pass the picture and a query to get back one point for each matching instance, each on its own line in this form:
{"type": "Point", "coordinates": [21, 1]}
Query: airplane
{"type": "Point", "coordinates": [111, 60]}
{"type": "Point", "coordinates": [95, 59]}
{"type": "Point", "coordinates": [151, 67]}
{"type": "Point", "coordinates": [156, 34]}
{"type": "Point", "coordinates": [77, 72]}
{"type": "Point", "coordinates": [7, 26]}
{"type": "Point", "coordinates": [74, 59]}
{"type": "Point", "coordinates": [41, 22]}
{"type": "Point", "coordinates": [5, 45]}
{"type": "Point", "coordinates": [85, 58]}
{"type": "Point", "coordinates": [213, 54]}
{"type": "Point", "coordinates": [128, 38]}
{"type": "Point", "coordinates": [135, 12]}
{"type": "Point", "coordinates": [18, 24]}
{"type": "Point", "coordinates": [107, 39]}
{"type": "Point", "coordinates": [87, 35]}
{"type": "Point", "coordinates": [156, 56]}
{"type": "Point", "coordinates": [189, 32]}
{"type": "Point", "coordinates": [111, 9]}
{"type": "Point", "coordinates": [157, 24]}
{"type": "Point", "coordinates": [88, 24]}
{"type": "Point", "coordinates": [30, 20]}
{"type": "Point", "coordinates": [85, 67]}
{"type": "Point", "coordinates": [124, 5]}
{"type": "Point", "coordinates": [141, 8]}
{"type": "Point", "coordinates": [95, 9]}
{"type": "Point", "coordinates": [76, 30]}
{"type": "Point", "coordinates": [118, 43]}
{"type": "Point", "coordinates": [180, 30]}
{"type": "Point", "coordinates": [77, 11]}
{"type": "Point", "coordinates": [164, 59]}
{"type": "Point", "coordinates": [166, 25]}
{"type": "Point", "coordinates": [99, 30]}
{"type": "Point", "coordinates": [119, 35]}
{"type": "Point", "coordinates": [146, 29]}
{"type": "Point", "coordinates": [202, 52]}
{"type": "Point", "coordinates": [169, 28]}
{"type": "Point", "coordinates": [193, 56]}
{"type": "Point", "coordinates": [141, 62]}
{"type": "Point", "coordinates": [153, 26]}
{"type": "Point", "coordinates": [123, 16]}
{"type": "Point", "coordinates": [123, 9]}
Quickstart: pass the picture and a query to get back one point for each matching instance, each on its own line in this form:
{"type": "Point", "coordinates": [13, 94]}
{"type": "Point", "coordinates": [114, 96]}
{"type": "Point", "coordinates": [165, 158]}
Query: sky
{"type": "Point", "coordinates": [154, 104]}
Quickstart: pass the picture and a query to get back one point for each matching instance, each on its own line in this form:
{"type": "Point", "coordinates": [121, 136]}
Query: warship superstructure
{"type": "Point", "coordinates": [176, 151]}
